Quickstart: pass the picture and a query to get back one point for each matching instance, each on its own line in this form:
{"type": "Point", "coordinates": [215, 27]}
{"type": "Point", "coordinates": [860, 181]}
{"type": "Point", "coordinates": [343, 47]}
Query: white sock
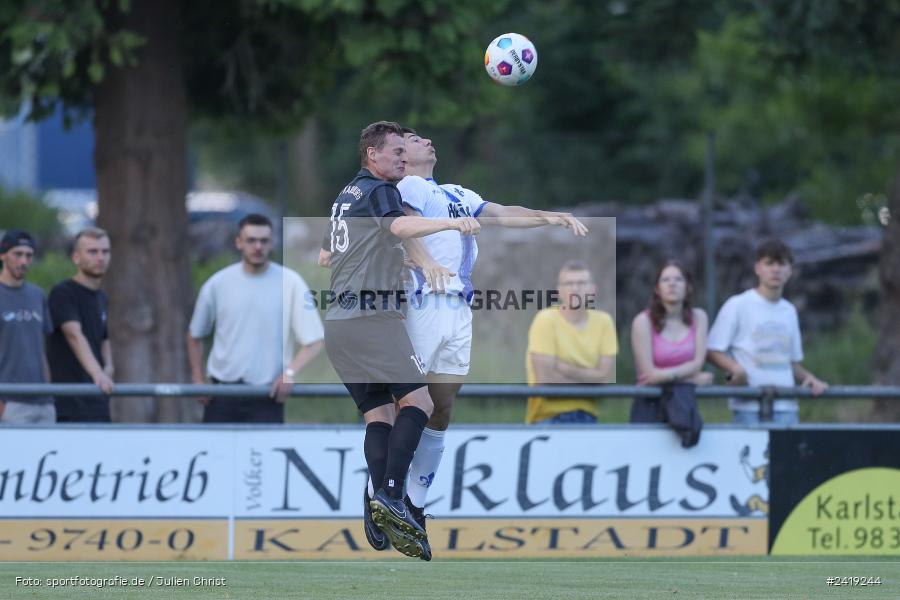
{"type": "Point", "coordinates": [424, 465]}
{"type": "Point", "coordinates": [371, 488]}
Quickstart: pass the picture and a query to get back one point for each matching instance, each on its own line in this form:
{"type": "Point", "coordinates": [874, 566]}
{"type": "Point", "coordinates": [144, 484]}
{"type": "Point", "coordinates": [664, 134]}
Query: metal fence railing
{"type": "Point", "coordinates": [766, 394]}
{"type": "Point", "coordinates": [471, 390]}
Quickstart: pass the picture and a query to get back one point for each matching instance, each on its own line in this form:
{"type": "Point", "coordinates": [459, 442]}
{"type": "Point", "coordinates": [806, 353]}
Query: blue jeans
{"type": "Point", "coordinates": [567, 418]}
{"type": "Point", "coordinates": [779, 417]}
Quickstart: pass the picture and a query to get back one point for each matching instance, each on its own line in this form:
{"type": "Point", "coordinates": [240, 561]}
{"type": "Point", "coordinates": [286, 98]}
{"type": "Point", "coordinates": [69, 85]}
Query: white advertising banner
{"type": "Point", "coordinates": [214, 493]}
{"type": "Point", "coordinates": [319, 473]}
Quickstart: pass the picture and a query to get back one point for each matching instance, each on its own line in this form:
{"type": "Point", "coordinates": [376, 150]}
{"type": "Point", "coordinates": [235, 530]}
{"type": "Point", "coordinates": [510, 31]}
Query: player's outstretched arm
{"type": "Point", "coordinates": [413, 227]}
{"type": "Point", "coordinates": [519, 216]}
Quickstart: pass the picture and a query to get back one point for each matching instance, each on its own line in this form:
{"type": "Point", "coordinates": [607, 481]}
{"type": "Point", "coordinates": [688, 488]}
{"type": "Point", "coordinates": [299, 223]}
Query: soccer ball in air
{"type": "Point", "coordinates": [510, 59]}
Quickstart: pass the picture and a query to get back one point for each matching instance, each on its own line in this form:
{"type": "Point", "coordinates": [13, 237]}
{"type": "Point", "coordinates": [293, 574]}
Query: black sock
{"type": "Point", "coordinates": [375, 448]}
{"type": "Point", "coordinates": [401, 448]}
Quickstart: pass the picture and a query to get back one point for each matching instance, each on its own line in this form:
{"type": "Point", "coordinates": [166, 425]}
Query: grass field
{"type": "Point", "coordinates": [763, 578]}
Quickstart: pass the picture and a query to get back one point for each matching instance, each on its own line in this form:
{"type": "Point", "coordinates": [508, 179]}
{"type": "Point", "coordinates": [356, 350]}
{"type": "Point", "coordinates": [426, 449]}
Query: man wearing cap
{"type": "Point", "coordinates": [24, 321]}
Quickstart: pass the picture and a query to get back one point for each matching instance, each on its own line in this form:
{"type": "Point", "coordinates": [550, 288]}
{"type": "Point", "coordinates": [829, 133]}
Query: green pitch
{"type": "Point", "coordinates": [764, 578]}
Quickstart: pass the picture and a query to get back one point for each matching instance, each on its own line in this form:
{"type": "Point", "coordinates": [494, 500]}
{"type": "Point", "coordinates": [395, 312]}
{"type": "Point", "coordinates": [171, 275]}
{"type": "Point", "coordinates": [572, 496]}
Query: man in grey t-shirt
{"type": "Point", "coordinates": [24, 322]}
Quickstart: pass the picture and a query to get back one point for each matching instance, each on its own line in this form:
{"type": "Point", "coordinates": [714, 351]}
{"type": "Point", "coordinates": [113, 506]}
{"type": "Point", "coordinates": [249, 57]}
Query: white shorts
{"type": "Point", "coordinates": [441, 333]}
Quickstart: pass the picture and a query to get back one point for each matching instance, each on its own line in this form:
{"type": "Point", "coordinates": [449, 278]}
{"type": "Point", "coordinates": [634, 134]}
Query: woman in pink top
{"type": "Point", "coordinates": [669, 338]}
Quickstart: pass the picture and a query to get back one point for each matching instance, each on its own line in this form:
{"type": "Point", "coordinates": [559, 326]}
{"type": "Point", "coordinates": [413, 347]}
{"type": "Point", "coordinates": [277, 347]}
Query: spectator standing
{"type": "Point", "coordinates": [24, 322]}
{"type": "Point", "coordinates": [756, 339]}
{"type": "Point", "coordinates": [571, 343]}
{"type": "Point", "coordinates": [259, 312]}
{"type": "Point", "coordinates": [78, 350]}
{"type": "Point", "coordinates": [668, 339]}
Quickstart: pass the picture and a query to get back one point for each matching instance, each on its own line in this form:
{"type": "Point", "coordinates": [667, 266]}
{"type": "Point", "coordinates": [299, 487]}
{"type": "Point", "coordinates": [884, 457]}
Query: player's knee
{"type": "Point", "coordinates": [419, 398]}
{"type": "Point", "coordinates": [426, 405]}
{"type": "Point", "coordinates": [440, 417]}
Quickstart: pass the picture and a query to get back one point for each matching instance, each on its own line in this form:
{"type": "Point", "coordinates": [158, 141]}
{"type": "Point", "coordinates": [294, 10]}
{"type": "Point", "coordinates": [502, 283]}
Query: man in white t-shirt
{"type": "Point", "coordinates": [258, 311]}
{"type": "Point", "coordinates": [756, 339]}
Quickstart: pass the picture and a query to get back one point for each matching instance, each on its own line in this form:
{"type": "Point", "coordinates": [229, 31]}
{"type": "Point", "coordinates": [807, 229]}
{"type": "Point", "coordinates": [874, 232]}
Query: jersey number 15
{"type": "Point", "coordinates": [340, 235]}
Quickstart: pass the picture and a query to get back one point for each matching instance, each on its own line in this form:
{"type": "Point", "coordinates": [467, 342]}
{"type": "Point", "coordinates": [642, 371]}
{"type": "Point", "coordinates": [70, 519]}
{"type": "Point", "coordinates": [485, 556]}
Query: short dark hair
{"type": "Point", "coordinates": [775, 250]}
{"type": "Point", "coordinates": [408, 130]}
{"type": "Point", "coordinates": [255, 219]}
{"type": "Point", "coordinates": [374, 136]}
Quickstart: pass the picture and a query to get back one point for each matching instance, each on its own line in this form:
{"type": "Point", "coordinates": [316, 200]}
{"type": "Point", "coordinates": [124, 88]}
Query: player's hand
{"type": "Point", "coordinates": [567, 221]}
{"type": "Point", "coordinates": [204, 400]}
{"type": "Point", "coordinates": [467, 226]}
{"type": "Point", "coordinates": [816, 385]}
{"type": "Point", "coordinates": [437, 276]}
{"type": "Point", "coordinates": [324, 258]}
{"type": "Point", "coordinates": [281, 388]}
{"type": "Point", "coordinates": [103, 381]}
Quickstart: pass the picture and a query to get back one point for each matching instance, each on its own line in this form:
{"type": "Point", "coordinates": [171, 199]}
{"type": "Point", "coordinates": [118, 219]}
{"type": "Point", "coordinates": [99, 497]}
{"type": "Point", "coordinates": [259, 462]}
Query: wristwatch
{"type": "Point", "coordinates": [290, 373]}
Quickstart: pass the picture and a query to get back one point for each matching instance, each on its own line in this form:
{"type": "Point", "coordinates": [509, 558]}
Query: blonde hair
{"type": "Point", "coordinates": [95, 233]}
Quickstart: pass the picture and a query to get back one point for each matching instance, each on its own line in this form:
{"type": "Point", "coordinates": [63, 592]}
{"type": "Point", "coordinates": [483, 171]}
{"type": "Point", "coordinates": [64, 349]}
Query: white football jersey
{"type": "Point", "coordinates": [449, 248]}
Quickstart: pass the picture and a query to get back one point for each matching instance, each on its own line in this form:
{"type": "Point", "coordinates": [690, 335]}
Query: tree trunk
{"type": "Point", "coordinates": [141, 163]}
{"type": "Point", "coordinates": [887, 352]}
{"type": "Point", "coordinates": [307, 183]}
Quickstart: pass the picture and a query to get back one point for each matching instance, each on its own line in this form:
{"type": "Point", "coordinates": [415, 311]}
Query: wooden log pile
{"type": "Point", "coordinates": [836, 268]}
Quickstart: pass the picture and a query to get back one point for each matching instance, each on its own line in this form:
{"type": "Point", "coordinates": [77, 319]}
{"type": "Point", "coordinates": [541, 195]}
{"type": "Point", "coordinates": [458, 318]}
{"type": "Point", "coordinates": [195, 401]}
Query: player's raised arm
{"type": "Point", "coordinates": [413, 227]}
{"type": "Point", "coordinates": [519, 216]}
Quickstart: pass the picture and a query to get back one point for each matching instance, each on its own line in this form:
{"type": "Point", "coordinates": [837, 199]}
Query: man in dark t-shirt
{"type": "Point", "coordinates": [365, 338]}
{"type": "Point", "coordinates": [78, 350]}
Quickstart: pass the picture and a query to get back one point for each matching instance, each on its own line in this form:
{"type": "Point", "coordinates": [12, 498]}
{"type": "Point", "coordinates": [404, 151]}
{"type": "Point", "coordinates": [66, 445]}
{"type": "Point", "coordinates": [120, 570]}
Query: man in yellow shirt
{"type": "Point", "coordinates": [570, 344]}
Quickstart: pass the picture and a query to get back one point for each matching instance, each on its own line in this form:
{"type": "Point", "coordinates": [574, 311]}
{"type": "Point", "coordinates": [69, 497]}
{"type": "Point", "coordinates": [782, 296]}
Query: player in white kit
{"type": "Point", "coordinates": [439, 321]}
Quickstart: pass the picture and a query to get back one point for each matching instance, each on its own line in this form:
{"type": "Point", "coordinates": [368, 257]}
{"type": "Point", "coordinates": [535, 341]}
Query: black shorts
{"type": "Point", "coordinates": [242, 409]}
{"type": "Point", "coordinates": [374, 358]}
{"type": "Point", "coordinates": [82, 409]}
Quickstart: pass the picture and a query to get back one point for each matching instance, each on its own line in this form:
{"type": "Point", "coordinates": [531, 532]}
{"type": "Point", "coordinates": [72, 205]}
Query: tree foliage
{"type": "Point", "coordinates": [52, 53]}
{"type": "Point", "coordinates": [270, 61]}
{"type": "Point", "coordinates": [145, 68]}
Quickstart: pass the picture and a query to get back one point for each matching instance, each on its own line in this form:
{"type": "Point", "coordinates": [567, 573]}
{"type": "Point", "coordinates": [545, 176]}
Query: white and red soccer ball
{"type": "Point", "coordinates": [510, 59]}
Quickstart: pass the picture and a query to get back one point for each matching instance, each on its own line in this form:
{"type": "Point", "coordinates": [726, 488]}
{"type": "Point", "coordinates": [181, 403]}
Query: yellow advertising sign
{"type": "Point", "coordinates": [857, 512]}
{"type": "Point", "coordinates": [113, 539]}
{"type": "Point", "coordinates": [342, 539]}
